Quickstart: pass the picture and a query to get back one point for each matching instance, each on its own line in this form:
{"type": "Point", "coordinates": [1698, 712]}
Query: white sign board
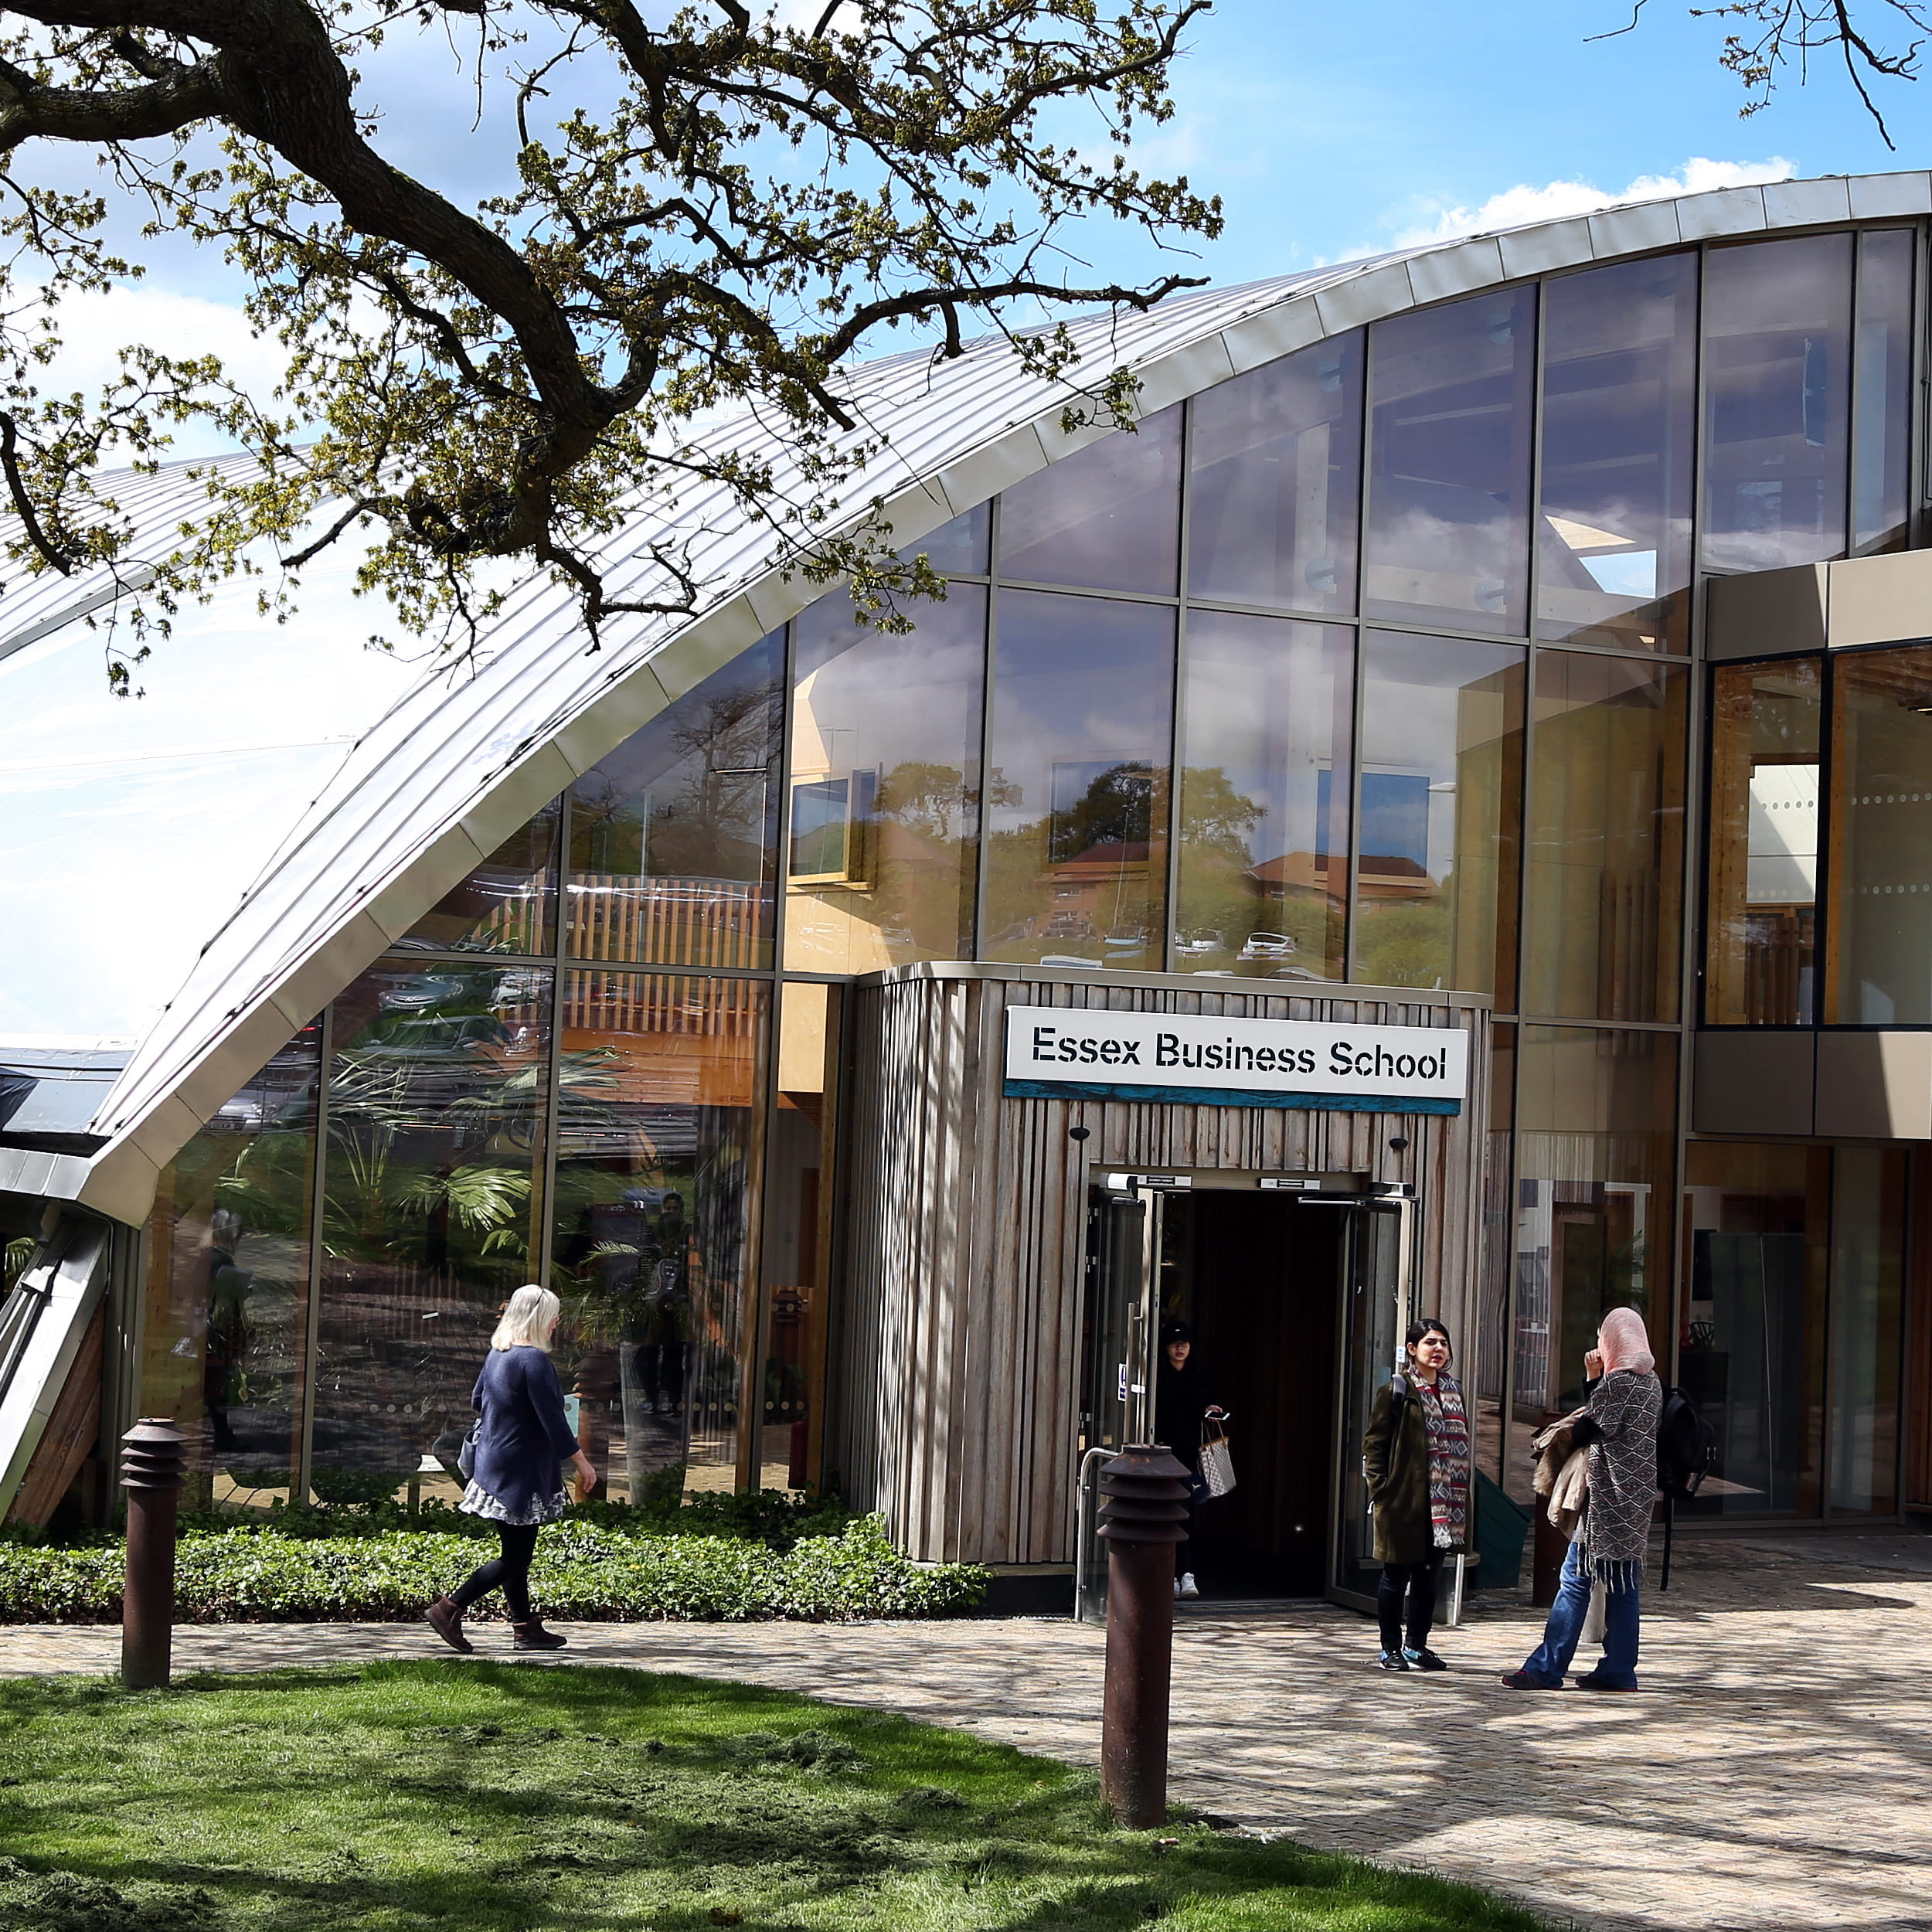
{"type": "Point", "coordinates": [1241, 1062]}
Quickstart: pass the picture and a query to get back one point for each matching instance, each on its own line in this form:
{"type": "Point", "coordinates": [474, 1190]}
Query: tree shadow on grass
{"type": "Point", "coordinates": [406, 1795]}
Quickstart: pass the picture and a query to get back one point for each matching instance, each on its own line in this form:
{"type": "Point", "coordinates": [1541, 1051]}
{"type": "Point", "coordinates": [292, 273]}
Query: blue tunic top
{"type": "Point", "coordinates": [527, 1433]}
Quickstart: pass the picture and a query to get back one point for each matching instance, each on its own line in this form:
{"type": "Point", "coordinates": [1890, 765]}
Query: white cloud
{"type": "Point", "coordinates": [1523, 204]}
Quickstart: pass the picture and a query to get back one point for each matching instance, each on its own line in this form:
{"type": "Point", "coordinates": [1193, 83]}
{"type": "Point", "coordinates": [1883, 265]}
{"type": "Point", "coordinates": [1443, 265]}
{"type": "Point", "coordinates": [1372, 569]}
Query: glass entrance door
{"type": "Point", "coordinates": [1123, 1252]}
{"type": "Point", "coordinates": [1375, 1310]}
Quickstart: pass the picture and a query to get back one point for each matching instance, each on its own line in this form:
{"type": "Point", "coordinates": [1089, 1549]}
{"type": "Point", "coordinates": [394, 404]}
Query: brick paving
{"type": "Point", "coordinates": [1773, 1773]}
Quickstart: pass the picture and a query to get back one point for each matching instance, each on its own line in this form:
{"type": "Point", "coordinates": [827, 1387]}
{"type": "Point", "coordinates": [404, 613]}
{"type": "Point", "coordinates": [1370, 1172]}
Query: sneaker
{"type": "Point", "coordinates": [1522, 1680]}
{"type": "Point", "coordinates": [1188, 1586]}
{"type": "Point", "coordinates": [1424, 1659]}
{"type": "Point", "coordinates": [1177, 1590]}
{"type": "Point", "coordinates": [1392, 1660]}
{"type": "Point", "coordinates": [1592, 1682]}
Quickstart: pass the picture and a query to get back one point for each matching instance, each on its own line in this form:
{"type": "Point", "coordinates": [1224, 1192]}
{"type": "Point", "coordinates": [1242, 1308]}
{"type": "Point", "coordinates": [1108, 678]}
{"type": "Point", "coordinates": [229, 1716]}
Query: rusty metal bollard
{"type": "Point", "coordinates": [154, 1459]}
{"type": "Point", "coordinates": [1146, 1489]}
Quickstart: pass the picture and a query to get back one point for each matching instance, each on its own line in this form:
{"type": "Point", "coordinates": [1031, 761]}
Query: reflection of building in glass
{"type": "Point", "coordinates": [1539, 656]}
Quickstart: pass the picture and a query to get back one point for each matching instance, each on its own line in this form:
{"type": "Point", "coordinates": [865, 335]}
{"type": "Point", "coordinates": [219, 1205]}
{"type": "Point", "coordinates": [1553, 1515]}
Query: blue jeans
{"type": "Point", "coordinates": [1548, 1662]}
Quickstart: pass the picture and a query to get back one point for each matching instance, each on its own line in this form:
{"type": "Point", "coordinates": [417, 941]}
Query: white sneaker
{"type": "Point", "coordinates": [1187, 1586]}
{"type": "Point", "coordinates": [1177, 1586]}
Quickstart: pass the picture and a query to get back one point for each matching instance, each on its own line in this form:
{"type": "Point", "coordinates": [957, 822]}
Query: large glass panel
{"type": "Point", "coordinates": [224, 1339]}
{"type": "Point", "coordinates": [1265, 798]}
{"type": "Point", "coordinates": [1277, 482]}
{"type": "Point", "coordinates": [1440, 814]}
{"type": "Point", "coordinates": [1867, 1254]}
{"type": "Point", "coordinates": [1450, 401]}
{"type": "Point", "coordinates": [1761, 916]}
{"type": "Point", "coordinates": [660, 1109]}
{"type": "Point", "coordinates": [1882, 391]}
{"type": "Point", "coordinates": [885, 785]}
{"type": "Point", "coordinates": [1880, 867]}
{"type": "Point", "coordinates": [960, 545]}
{"type": "Point", "coordinates": [673, 838]}
{"type": "Point", "coordinates": [1607, 839]}
{"type": "Point", "coordinates": [507, 905]}
{"type": "Point", "coordinates": [1777, 320]}
{"type": "Point", "coordinates": [1076, 782]}
{"type": "Point", "coordinates": [1752, 1346]}
{"type": "Point", "coordinates": [436, 1111]}
{"type": "Point", "coordinates": [1619, 428]}
{"type": "Point", "coordinates": [1595, 1117]}
{"type": "Point", "coordinates": [1106, 518]}
{"type": "Point", "coordinates": [797, 1255]}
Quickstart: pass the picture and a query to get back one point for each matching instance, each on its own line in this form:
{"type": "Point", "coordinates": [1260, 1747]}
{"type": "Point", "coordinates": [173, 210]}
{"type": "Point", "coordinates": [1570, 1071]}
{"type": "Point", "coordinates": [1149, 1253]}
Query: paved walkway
{"type": "Point", "coordinates": [1775, 1773]}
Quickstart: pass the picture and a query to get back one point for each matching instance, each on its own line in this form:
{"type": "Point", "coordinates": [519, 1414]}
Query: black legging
{"type": "Point", "coordinates": [508, 1571]}
{"type": "Point", "coordinates": [1416, 1581]}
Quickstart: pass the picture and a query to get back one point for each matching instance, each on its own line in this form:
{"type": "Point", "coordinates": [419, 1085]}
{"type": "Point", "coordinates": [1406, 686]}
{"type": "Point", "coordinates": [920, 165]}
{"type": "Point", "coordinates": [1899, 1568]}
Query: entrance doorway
{"type": "Point", "coordinates": [1258, 1277]}
{"type": "Point", "coordinates": [1296, 1289]}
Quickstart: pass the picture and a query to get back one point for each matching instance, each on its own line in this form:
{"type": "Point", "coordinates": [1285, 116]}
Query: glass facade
{"type": "Point", "coordinates": [1077, 777]}
{"type": "Point", "coordinates": [1451, 394]}
{"type": "Point", "coordinates": [1619, 374]}
{"type": "Point", "coordinates": [1777, 325]}
{"type": "Point", "coordinates": [883, 854]}
{"type": "Point", "coordinates": [1265, 804]}
{"type": "Point", "coordinates": [1603, 930]}
{"type": "Point", "coordinates": [1441, 806]}
{"type": "Point", "coordinates": [1369, 665]}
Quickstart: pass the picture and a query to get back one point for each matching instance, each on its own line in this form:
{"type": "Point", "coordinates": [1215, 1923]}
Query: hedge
{"type": "Point", "coordinates": [583, 1571]}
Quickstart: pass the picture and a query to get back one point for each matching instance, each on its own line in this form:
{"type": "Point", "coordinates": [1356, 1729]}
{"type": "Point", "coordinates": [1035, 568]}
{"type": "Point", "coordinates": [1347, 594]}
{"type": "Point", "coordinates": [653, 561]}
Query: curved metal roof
{"type": "Point", "coordinates": [452, 770]}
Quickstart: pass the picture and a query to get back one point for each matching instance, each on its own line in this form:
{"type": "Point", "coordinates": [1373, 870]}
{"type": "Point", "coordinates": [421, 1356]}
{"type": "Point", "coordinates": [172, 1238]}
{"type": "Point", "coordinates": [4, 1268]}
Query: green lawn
{"type": "Point", "coordinates": [502, 1797]}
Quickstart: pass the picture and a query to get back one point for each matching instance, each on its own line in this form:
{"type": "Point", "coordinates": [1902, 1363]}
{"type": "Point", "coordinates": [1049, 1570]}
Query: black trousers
{"type": "Point", "coordinates": [1417, 1581]}
{"type": "Point", "coordinates": [508, 1571]}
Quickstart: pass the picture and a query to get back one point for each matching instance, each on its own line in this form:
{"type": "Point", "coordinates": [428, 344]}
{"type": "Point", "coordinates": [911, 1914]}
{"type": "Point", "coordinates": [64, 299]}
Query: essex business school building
{"type": "Point", "coordinates": [1436, 819]}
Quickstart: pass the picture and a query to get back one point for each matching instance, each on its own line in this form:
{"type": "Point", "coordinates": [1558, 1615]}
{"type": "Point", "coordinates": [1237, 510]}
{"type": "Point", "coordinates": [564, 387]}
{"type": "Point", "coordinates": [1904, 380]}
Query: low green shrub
{"type": "Point", "coordinates": [583, 1569]}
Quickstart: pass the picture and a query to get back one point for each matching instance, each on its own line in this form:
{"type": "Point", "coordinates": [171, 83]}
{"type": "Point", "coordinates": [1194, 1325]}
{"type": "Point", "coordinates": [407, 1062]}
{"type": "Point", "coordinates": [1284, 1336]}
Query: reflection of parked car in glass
{"type": "Point", "coordinates": [1068, 925]}
{"type": "Point", "coordinates": [1126, 939]}
{"type": "Point", "coordinates": [1200, 939]}
{"type": "Point", "coordinates": [1269, 946]}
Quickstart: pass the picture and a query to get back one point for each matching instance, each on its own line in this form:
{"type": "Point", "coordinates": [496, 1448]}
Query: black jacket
{"type": "Point", "coordinates": [1181, 1397]}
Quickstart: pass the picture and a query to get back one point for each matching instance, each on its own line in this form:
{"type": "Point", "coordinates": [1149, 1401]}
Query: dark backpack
{"type": "Point", "coordinates": [1687, 1448]}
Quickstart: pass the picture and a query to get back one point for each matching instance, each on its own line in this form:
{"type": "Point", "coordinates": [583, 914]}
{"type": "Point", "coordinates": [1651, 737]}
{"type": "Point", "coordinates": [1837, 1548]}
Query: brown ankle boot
{"type": "Point", "coordinates": [533, 1636]}
{"type": "Point", "coordinates": [445, 1617]}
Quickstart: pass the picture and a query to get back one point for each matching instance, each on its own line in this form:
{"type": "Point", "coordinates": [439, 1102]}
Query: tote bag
{"type": "Point", "coordinates": [1217, 1463]}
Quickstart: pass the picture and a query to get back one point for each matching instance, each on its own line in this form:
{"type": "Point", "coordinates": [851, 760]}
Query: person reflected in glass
{"type": "Point", "coordinates": [1617, 1429]}
{"type": "Point", "coordinates": [1415, 1456]}
{"type": "Point", "coordinates": [1181, 1404]}
{"type": "Point", "coordinates": [664, 1320]}
{"type": "Point", "coordinates": [523, 1439]}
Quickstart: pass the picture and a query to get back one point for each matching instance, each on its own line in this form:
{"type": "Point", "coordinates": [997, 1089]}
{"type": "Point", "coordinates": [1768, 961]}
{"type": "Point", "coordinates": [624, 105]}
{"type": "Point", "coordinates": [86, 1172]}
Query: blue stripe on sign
{"type": "Point", "coordinates": [1227, 1096]}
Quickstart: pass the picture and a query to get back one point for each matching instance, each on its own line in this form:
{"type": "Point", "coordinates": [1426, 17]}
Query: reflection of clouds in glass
{"type": "Point", "coordinates": [114, 876]}
{"type": "Point", "coordinates": [1030, 742]}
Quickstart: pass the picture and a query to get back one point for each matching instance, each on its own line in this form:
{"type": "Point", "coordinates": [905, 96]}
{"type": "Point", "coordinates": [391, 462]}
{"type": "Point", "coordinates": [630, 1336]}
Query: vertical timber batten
{"type": "Point", "coordinates": [960, 1340]}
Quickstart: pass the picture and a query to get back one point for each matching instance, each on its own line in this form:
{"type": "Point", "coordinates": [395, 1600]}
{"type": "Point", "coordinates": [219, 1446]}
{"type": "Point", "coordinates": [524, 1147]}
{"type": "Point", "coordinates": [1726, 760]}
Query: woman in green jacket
{"type": "Point", "coordinates": [1416, 1458]}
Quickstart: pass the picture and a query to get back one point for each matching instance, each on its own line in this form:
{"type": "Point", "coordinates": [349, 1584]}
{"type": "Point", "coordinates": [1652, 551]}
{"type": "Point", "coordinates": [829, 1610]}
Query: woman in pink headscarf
{"type": "Point", "coordinates": [1618, 1426]}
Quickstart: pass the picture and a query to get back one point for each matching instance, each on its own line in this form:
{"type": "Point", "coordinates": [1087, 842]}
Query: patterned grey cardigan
{"type": "Point", "coordinates": [1624, 1406]}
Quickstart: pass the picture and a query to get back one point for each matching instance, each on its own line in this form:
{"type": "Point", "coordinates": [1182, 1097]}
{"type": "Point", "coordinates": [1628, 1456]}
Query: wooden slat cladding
{"type": "Point", "coordinates": [73, 1430]}
{"type": "Point", "coordinates": [958, 1350]}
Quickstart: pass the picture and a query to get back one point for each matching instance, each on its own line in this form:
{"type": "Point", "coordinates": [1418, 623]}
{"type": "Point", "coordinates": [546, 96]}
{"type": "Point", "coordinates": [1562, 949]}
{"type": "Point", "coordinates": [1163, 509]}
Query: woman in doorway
{"type": "Point", "coordinates": [1618, 1427]}
{"type": "Point", "coordinates": [1181, 1405]}
{"type": "Point", "coordinates": [1416, 1458]}
{"type": "Point", "coordinates": [516, 1481]}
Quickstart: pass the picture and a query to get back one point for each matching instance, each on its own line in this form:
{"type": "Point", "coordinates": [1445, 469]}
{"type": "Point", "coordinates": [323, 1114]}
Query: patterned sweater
{"type": "Point", "coordinates": [1624, 1406]}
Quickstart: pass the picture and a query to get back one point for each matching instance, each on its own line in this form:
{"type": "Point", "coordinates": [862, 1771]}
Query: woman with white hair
{"type": "Point", "coordinates": [516, 1477]}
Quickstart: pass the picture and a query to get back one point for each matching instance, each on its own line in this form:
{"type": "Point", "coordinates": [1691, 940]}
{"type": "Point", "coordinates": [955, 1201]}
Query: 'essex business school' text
{"type": "Point", "coordinates": [1235, 1056]}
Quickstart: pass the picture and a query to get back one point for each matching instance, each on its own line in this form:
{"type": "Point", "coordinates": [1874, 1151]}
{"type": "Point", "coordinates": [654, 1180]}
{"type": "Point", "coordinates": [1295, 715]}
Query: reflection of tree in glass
{"type": "Point", "coordinates": [423, 1106]}
{"type": "Point", "coordinates": [1116, 809]}
{"type": "Point", "coordinates": [703, 813]}
{"type": "Point", "coordinates": [935, 800]}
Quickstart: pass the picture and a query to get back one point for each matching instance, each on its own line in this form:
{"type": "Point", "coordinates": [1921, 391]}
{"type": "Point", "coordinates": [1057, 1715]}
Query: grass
{"type": "Point", "coordinates": [398, 1797]}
